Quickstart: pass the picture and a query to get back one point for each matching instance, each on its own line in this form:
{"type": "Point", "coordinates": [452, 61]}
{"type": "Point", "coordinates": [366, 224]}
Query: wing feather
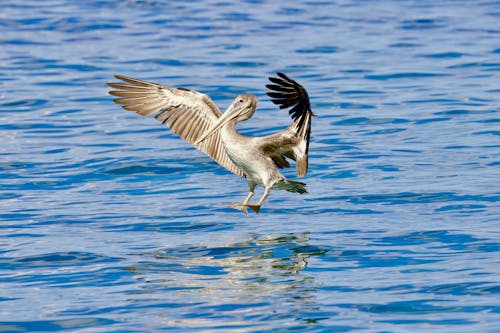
{"type": "Point", "coordinates": [137, 99]}
{"type": "Point", "coordinates": [126, 86]}
{"type": "Point", "coordinates": [293, 142]}
{"type": "Point", "coordinates": [281, 88]}
{"type": "Point", "coordinates": [186, 112]}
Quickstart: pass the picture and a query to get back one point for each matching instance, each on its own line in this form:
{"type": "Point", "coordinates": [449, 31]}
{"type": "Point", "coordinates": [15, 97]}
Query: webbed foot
{"type": "Point", "coordinates": [255, 208]}
{"type": "Point", "coordinates": [243, 208]}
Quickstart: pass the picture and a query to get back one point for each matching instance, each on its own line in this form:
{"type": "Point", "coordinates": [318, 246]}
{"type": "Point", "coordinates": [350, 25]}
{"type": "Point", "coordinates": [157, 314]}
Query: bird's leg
{"type": "Point", "coordinates": [256, 207]}
{"type": "Point", "coordinates": [247, 199]}
{"type": "Point", "coordinates": [243, 206]}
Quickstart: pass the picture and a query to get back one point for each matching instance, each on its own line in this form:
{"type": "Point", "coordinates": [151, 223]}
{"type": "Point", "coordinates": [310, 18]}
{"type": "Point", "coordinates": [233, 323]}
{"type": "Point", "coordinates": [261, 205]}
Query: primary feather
{"type": "Point", "coordinates": [186, 112]}
{"type": "Point", "coordinates": [293, 142]}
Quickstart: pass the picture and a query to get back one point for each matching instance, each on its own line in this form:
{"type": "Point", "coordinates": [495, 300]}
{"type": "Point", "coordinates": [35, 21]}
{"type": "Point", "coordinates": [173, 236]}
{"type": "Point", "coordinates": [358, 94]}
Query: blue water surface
{"type": "Point", "coordinates": [110, 223]}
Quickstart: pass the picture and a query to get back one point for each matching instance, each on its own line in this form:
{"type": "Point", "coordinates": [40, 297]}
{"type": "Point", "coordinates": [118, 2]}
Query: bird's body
{"type": "Point", "coordinates": [245, 152]}
{"type": "Point", "coordinates": [195, 118]}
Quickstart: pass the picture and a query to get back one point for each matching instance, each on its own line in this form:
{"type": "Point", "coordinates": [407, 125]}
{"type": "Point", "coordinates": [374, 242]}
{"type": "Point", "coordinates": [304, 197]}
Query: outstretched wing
{"type": "Point", "coordinates": [186, 112]}
{"type": "Point", "coordinates": [293, 142]}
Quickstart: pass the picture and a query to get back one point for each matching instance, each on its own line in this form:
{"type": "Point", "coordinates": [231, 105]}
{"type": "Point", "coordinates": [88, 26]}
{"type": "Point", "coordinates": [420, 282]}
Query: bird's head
{"type": "Point", "coordinates": [242, 108]}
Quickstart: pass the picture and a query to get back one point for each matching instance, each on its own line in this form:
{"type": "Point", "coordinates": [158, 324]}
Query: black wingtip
{"type": "Point", "coordinates": [284, 76]}
{"type": "Point", "coordinates": [286, 91]}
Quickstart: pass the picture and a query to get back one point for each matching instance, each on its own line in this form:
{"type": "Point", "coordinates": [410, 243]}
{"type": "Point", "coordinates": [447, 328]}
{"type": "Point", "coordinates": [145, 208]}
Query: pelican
{"type": "Point", "coordinates": [196, 119]}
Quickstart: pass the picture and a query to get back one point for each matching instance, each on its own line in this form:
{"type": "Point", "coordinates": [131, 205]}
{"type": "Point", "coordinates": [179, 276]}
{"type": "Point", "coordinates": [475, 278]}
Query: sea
{"type": "Point", "coordinates": [111, 223]}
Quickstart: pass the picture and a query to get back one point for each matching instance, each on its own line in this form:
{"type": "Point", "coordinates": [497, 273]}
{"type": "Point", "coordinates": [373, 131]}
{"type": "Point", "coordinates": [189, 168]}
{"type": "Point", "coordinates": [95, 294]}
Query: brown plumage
{"type": "Point", "coordinates": [186, 112]}
{"type": "Point", "coordinates": [195, 118]}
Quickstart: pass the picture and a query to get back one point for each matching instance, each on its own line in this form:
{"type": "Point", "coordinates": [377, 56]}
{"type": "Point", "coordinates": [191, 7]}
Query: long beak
{"type": "Point", "coordinates": [227, 116]}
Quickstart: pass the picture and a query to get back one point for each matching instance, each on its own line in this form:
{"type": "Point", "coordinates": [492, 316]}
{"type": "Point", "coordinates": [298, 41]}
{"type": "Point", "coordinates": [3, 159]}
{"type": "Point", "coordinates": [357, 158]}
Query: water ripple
{"type": "Point", "coordinates": [54, 325]}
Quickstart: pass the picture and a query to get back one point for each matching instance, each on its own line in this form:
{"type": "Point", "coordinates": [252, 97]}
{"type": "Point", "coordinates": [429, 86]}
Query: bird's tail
{"type": "Point", "coordinates": [290, 186]}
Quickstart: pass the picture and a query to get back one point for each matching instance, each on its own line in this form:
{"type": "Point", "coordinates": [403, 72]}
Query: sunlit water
{"type": "Point", "coordinates": [110, 223]}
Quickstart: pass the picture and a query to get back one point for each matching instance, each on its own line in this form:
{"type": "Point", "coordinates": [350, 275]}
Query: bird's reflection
{"type": "Point", "coordinates": [259, 255]}
{"type": "Point", "coordinates": [262, 275]}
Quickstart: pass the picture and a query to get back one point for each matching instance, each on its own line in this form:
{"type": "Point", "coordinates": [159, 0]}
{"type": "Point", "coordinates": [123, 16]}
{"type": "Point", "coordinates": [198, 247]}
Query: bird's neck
{"type": "Point", "coordinates": [229, 130]}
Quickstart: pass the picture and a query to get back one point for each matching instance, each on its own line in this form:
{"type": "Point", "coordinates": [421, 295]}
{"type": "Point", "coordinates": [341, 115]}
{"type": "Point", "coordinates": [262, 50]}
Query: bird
{"type": "Point", "coordinates": [195, 118]}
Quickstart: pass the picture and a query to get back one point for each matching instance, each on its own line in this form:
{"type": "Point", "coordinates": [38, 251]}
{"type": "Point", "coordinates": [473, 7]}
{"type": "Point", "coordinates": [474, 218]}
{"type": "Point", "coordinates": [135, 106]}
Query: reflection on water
{"type": "Point", "coordinates": [259, 276]}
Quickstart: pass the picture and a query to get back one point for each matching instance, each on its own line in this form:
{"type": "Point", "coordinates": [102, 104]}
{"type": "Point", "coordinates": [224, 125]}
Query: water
{"type": "Point", "coordinates": [109, 223]}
